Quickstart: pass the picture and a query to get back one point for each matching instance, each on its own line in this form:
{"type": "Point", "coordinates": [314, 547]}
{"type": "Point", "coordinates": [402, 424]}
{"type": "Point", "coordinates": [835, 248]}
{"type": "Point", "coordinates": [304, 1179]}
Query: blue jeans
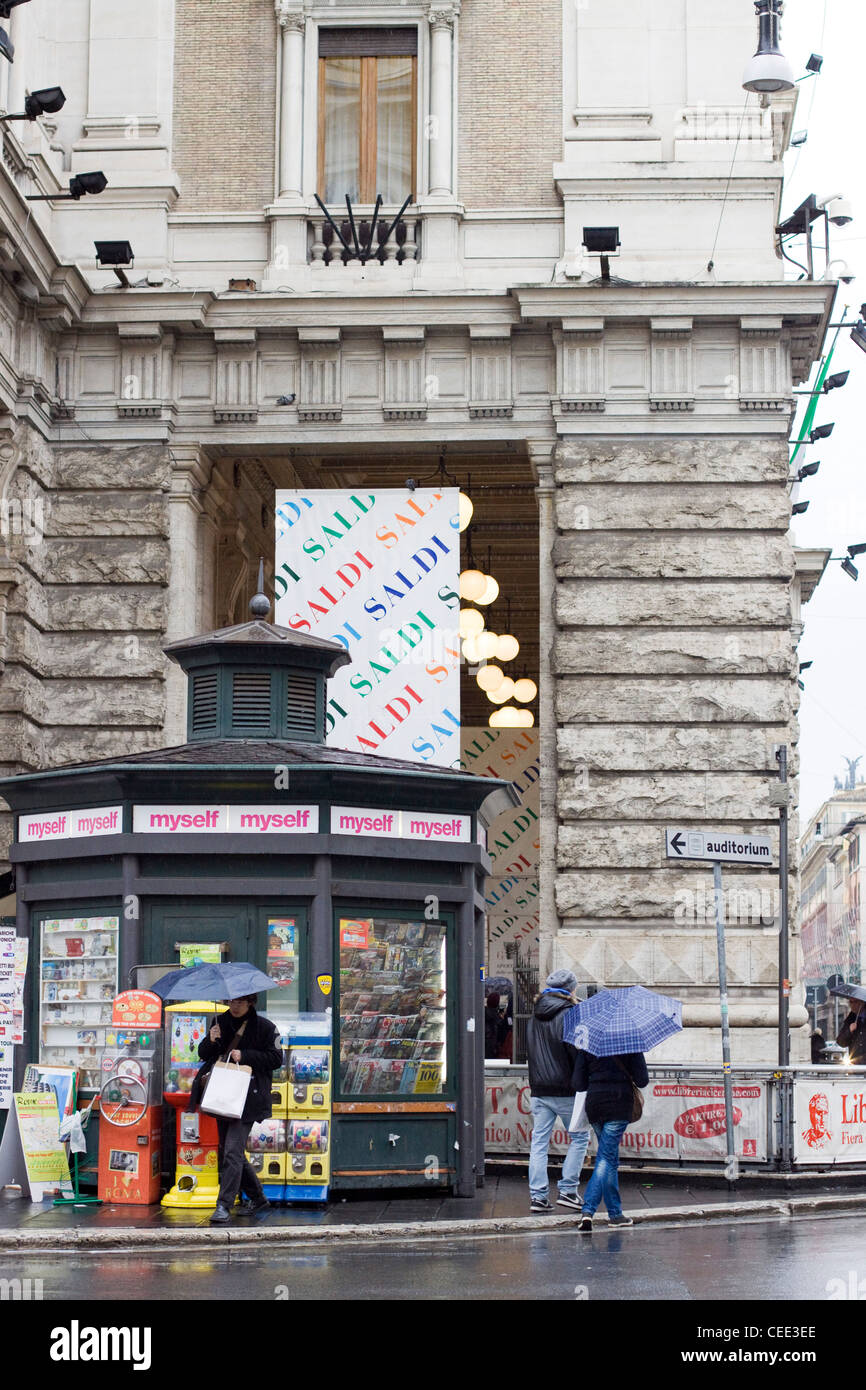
{"type": "Point", "coordinates": [604, 1182]}
{"type": "Point", "coordinates": [545, 1111]}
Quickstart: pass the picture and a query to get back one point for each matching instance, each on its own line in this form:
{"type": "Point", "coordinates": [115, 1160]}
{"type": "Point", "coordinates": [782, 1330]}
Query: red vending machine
{"type": "Point", "coordinates": [130, 1100]}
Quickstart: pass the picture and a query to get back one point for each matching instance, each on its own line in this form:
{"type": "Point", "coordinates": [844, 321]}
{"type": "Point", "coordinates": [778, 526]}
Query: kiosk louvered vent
{"type": "Point", "coordinates": [251, 701]}
{"type": "Point", "coordinates": [204, 702]}
{"type": "Point", "coordinates": [301, 703]}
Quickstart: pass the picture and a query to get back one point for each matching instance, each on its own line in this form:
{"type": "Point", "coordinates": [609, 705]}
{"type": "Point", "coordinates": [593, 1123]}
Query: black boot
{"type": "Point", "coordinates": [221, 1215]}
{"type": "Point", "coordinates": [253, 1205]}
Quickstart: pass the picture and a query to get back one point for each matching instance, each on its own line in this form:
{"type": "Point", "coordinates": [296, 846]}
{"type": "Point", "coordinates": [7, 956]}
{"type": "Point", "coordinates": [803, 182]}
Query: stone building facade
{"type": "Point", "coordinates": [625, 437]}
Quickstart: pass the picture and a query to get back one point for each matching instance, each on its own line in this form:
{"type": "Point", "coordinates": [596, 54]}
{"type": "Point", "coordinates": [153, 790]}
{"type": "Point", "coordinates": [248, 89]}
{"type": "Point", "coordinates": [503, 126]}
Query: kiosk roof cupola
{"type": "Point", "coordinates": [257, 680]}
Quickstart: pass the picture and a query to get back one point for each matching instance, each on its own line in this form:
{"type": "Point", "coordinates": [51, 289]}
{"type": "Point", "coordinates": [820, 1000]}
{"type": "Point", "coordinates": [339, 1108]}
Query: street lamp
{"type": "Point", "coordinates": [769, 70]}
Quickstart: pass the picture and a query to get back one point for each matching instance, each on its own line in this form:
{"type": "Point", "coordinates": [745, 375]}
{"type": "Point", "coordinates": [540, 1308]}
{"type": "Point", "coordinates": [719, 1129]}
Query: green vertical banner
{"type": "Point", "coordinates": [812, 407]}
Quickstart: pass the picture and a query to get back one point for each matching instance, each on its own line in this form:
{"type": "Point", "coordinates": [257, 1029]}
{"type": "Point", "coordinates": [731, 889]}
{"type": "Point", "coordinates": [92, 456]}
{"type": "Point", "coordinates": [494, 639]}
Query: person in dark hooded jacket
{"type": "Point", "coordinates": [250, 1039]}
{"type": "Point", "coordinates": [551, 1067]}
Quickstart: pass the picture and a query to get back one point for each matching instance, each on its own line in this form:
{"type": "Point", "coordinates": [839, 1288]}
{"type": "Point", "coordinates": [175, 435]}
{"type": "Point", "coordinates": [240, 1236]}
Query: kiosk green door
{"type": "Point", "coordinates": [173, 930]}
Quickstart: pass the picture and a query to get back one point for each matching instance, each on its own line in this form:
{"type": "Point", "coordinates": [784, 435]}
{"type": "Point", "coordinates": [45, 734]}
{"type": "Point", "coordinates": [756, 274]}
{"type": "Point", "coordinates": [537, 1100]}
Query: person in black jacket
{"type": "Point", "coordinates": [551, 1086]}
{"type": "Point", "coordinates": [609, 1104]}
{"type": "Point", "coordinates": [252, 1040]}
{"type": "Point", "coordinates": [852, 1034]}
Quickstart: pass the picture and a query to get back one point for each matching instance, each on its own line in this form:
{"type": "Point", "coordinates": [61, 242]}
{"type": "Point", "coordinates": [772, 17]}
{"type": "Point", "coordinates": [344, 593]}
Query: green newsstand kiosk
{"type": "Point", "coordinates": [355, 879]}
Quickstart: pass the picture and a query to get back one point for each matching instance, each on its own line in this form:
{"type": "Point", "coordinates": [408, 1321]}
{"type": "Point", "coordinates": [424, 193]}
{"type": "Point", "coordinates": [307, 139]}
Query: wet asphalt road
{"type": "Point", "coordinates": [767, 1260]}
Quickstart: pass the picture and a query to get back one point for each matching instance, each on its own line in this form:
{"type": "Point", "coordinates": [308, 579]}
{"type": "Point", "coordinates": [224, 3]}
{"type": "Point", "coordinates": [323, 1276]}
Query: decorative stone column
{"type": "Point", "coordinates": [292, 22]}
{"type": "Point", "coordinates": [190, 474]}
{"type": "Point", "coordinates": [542, 463]}
{"type": "Point", "coordinates": [440, 127]}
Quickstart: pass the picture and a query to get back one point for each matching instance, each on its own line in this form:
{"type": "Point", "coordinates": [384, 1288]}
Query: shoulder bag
{"type": "Point", "coordinates": [636, 1093]}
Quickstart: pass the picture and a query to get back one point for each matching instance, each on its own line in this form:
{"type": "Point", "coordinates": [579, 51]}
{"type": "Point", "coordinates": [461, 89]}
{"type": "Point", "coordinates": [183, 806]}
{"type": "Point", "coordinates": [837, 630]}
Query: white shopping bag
{"type": "Point", "coordinates": [578, 1114]}
{"type": "Point", "coordinates": [226, 1090]}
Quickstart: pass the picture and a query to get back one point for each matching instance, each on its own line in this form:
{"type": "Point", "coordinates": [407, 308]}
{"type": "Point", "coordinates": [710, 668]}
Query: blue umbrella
{"type": "Point", "coordinates": [616, 1021]}
{"type": "Point", "coordinates": [231, 980]}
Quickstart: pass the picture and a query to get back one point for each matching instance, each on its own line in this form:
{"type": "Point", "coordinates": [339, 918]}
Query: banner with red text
{"type": "Point", "coordinates": [830, 1121]}
{"type": "Point", "coordinates": [379, 573]}
{"type": "Point", "coordinates": [681, 1119]}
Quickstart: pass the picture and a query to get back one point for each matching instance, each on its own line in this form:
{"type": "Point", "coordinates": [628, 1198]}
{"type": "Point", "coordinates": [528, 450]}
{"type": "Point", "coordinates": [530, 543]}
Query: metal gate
{"type": "Point", "coordinates": [525, 990]}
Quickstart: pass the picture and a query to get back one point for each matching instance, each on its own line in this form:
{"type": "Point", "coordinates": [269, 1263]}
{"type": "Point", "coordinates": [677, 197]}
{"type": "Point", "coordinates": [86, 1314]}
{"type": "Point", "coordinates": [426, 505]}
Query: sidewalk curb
{"type": "Point", "coordinates": [207, 1238]}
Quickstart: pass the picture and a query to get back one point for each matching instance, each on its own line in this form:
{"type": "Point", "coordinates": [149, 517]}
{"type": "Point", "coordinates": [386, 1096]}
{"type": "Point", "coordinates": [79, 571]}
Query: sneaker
{"type": "Point", "coordinates": [220, 1215]}
{"type": "Point", "coordinates": [570, 1200]}
{"type": "Point", "coordinates": [252, 1208]}
{"type": "Point", "coordinates": [620, 1221]}
{"type": "Point", "coordinates": [540, 1204]}
{"type": "Point", "coordinates": [586, 1224]}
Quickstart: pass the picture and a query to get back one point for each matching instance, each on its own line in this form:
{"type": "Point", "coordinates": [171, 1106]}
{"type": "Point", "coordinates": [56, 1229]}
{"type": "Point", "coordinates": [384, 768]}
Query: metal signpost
{"type": "Point", "coordinates": [719, 849]}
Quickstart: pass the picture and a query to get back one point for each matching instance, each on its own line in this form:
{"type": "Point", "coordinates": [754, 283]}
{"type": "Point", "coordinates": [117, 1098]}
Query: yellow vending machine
{"type": "Point", "coordinates": [196, 1181]}
{"type": "Point", "coordinates": [308, 1108]}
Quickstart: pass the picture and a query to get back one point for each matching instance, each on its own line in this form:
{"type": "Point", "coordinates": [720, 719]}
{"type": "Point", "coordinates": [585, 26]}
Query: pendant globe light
{"type": "Point", "coordinates": [510, 718]}
{"type": "Point", "coordinates": [472, 584]}
{"type": "Point", "coordinates": [487, 643]}
{"type": "Point", "coordinates": [490, 592]}
{"type": "Point", "coordinates": [471, 622]}
{"type": "Point", "coordinates": [489, 677]}
{"type": "Point", "coordinates": [507, 647]}
{"type": "Point", "coordinates": [503, 691]}
{"type": "Point", "coordinates": [525, 690]}
{"type": "Point", "coordinates": [471, 652]}
{"type": "Point", "coordinates": [464, 515]}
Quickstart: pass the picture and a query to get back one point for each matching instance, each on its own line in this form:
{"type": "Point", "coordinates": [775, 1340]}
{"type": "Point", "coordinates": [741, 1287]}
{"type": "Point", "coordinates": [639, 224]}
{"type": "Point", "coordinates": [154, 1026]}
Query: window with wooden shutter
{"type": "Point", "coordinates": [367, 114]}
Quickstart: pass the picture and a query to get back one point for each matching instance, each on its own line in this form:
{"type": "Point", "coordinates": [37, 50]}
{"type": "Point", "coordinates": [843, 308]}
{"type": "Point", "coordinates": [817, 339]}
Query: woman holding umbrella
{"type": "Point", "coordinates": [852, 1034]}
{"type": "Point", "coordinates": [241, 1035]}
{"type": "Point", "coordinates": [612, 1030]}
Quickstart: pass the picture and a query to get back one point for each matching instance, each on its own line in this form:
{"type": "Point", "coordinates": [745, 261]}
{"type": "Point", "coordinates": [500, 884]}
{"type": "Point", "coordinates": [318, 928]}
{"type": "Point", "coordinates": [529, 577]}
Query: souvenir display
{"type": "Point", "coordinates": [78, 980]}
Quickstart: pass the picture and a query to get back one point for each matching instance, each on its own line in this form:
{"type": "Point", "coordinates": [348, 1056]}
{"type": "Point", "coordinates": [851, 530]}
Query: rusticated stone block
{"type": "Point", "coordinates": [611, 507]}
{"type": "Point", "coordinates": [645, 747]}
{"type": "Point", "coordinates": [127, 609]}
{"type": "Point", "coordinates": [607, 699]}
{"type": "Point", "coordinates": [672, 603]}
{"type": "Point", "coordinates": [140, 466]}
{"type": "Point", "coordinates": [107, 514]}
{"type": "Point", "coordinates": [756, 555]}
{"type": "Point", "coordinates": [727, 461]}
{"type": "Point", "coordinates": [675, 651]}
{"type": "Point", "coordinates": [670, 797]}
{"type": "Point", "coordinates": [107, 561]}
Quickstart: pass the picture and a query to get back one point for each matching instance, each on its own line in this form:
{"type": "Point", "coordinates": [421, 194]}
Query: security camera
{"type": "Point", "coordinates": [839, 210]}
{"type": "Point", "coordinates": [843, 274]}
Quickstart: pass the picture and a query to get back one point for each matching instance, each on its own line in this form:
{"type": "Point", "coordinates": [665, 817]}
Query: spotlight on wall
{"type": "Point", "coordinates": [115, 254]}
{"type": "Point", "coordinates": [821, 432]}
{"type": "Point", "coordinates": [808, 471]}
{"type": "Point", "coordinates": [37, 103]}
{"type": "Point", "coordinates": [603, 242]}
{"type": "Point", "coordinates": [769, 70]}
{"type": "Point", "coordinates": [79, 184]}
{"type": "Point", "coordinates": [815, 63]}
{"type": "Point", "coordinates": [799, 139]}
{"type": "Point", "coordinates": [799, 508]}
{"type": "Point", "coordinates": [850, 569]}
{"type": "Point", "coordinates": [858, 333]}
{"type": "Point", "coordinates": [857, 550]}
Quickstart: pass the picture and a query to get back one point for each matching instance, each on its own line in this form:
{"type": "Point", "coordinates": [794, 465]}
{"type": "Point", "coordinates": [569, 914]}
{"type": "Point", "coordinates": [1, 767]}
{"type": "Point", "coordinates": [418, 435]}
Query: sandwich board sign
{"type": "Point", "coordinates": [719, 848]}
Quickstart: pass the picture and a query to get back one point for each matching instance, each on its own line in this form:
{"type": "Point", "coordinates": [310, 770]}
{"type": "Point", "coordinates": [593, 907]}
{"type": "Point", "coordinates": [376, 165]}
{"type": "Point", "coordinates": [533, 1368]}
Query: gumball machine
{"type": "Point", "coordinates": [196, 1181]}
{"type": "Point", "coordinates": [130, 1105]}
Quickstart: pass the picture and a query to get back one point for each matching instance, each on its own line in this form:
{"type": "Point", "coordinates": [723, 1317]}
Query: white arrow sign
{"type": "Point", "coordinates": [721, 848]}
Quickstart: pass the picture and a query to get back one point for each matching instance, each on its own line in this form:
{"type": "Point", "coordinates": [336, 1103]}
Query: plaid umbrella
{"type": "Point", "coordinates": [616, 1021]}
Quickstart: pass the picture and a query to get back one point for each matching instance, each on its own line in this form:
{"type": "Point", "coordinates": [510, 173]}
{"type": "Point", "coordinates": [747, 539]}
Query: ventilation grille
{"type": "Point", "coordinates": [301, 703]}
{"type": "Point", "coordinates": [204, 703]}
{"type": "Point", "coordinates": [251, 701]}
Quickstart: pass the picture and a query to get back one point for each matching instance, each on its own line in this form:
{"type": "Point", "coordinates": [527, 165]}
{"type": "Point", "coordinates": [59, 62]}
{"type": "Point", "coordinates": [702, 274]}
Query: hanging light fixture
{"type": "Point", "coordinates": [487, 644]}
{"type": "Point", "coordinates": [471, 622]}
{"type": "Point", "coordinates": [471, 652]}
{"type": "Point", "coordinates": [525, 690]}
{"type": "Point", "coordinates": [490, 592]}
{"type": "Point", "coordinates": [503, 691]}
{"type": "Point", "coordinates": [472, 585]}
{"type": "Point", "coordinates": [489, 677]}
{"type": "Point", "coordinates": [507, 647]}
{"type": "Point", "coordinates": [464, 502]}
{"type": "Point", "coordinates": [510, 718]}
